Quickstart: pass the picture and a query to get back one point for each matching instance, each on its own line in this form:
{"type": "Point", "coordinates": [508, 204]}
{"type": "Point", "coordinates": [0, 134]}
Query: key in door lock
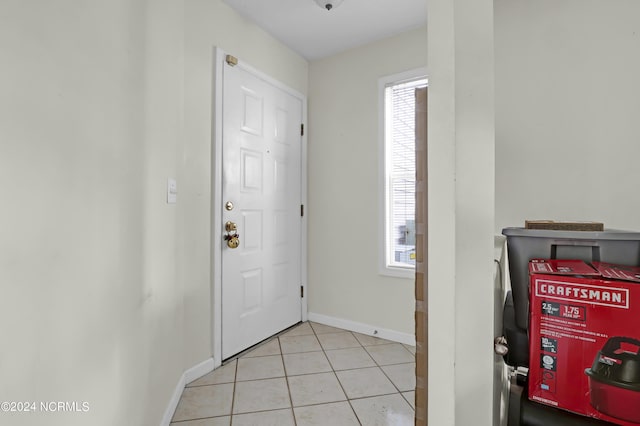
{"type": "Point", "coordinates": [232, 238]}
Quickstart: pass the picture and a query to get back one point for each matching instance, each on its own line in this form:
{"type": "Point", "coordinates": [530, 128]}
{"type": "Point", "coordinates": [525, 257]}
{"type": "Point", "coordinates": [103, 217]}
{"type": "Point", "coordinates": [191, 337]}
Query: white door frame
{"type": "Point", "coordinates": [219, 56]}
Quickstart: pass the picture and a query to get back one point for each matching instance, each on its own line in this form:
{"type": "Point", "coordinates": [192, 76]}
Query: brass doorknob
{"type": "Point", "coordinates": [230, 226]}
{"type": "Point", "coordinates": [233, 241]}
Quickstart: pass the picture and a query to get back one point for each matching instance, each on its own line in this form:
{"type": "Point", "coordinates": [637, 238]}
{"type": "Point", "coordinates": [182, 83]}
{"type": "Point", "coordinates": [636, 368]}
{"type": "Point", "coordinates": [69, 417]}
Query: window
{"type": "Point", "coordinates": [398, 179]}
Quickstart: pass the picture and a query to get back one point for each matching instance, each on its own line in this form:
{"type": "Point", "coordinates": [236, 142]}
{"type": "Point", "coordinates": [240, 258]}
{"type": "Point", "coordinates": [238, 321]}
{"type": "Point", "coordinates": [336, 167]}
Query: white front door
{"type": "Point", "coordinates": [261, 195]}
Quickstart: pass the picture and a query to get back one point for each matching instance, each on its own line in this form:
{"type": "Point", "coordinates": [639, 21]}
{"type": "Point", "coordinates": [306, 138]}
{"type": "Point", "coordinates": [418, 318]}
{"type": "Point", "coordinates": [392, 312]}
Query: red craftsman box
{"type": "Point", "coordinates": [584, 338]}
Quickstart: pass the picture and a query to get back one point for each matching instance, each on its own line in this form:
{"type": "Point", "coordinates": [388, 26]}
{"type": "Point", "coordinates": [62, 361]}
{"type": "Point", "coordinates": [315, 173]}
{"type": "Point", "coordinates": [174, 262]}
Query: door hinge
{"type": "Point", "coordinates": [302, 130]}
{"type": "Point", "coordinates": [301, 210]}
{"type": "Point", "coordinates": [232, 60]}
{"type": "Point", "coordinates": [301, 292]}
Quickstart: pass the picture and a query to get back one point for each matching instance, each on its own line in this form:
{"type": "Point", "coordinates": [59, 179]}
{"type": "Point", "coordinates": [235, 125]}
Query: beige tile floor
{"type": "Point", "coordinates": [311, 375]}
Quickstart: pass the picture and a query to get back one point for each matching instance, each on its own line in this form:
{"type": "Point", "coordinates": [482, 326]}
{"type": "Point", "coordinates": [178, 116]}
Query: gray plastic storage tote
{"type": "Point", "coordinates": [612, 246]}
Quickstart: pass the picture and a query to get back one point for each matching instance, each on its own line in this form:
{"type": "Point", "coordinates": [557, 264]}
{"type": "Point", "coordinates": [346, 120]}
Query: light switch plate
{"type": "Point", "coordinates": [172, 191]}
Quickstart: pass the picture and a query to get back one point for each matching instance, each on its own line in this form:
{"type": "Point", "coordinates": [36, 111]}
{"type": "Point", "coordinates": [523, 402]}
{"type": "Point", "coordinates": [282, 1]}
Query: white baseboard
{"type": "Point", "coordinates": [369, 330]}
{"type": "Point", "coordinates": [197, 371]}
{"type": "Point", "coordinates": [193, 373]}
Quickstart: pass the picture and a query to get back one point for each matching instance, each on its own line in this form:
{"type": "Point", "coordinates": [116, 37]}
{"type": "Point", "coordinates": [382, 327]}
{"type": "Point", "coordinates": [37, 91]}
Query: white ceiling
{"type": "Point", "coordinates": [315, 33]}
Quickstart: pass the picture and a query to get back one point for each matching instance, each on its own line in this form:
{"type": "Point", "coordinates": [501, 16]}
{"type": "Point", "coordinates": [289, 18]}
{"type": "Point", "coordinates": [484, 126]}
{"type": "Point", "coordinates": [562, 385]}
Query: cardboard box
{"type": "Point", "coordinates": [584, 338]}
{"type": "Point", "coordinates": [564, 226]}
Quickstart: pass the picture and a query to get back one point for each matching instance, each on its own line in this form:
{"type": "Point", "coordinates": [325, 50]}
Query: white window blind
{"type": "Point", "coordinates": [400, 170]}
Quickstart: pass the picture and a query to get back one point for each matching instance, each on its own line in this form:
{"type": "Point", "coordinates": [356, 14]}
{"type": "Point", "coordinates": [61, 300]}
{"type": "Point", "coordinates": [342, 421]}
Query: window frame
{"type": "Point", "coordinates": [385, 268]}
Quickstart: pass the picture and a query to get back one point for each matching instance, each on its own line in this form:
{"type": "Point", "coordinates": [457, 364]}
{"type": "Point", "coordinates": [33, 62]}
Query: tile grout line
{"type": "Point", "coordinates": [199, 418]}
{"type": "Point", "coordinates": [381, 369]}
{"type": "Point", "coordinates": [233, 395]}
{"type": "Point", "coordinates": [286, 379]}
{"type": "Point", "coordinates": [284, 366]}
{"type": "Point", "coordinates": [269, 410]}
{"type": "Point", "coordinates": [206, 417]}
{"type": "Point", "coordinates": [399, 392]}
{"type": "Point", "coordinates": [261, 379]}
{"type": "Point", "coordinates": [405, 398]}
{"type": "Point", "coordinates": [336, 375]}
{"type": "Point", "coordinates": [337, 371]}
{"type": "Point", "coordinates": [389, 378]}
{"type": "Point", "coordinates": [244, 355]}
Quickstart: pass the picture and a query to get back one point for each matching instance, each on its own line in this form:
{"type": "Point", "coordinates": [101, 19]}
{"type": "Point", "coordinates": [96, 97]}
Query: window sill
{"type": "Point", "coordinates": [390, 271]}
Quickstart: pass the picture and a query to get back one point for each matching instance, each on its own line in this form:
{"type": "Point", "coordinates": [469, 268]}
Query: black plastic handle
{"type": "Point", "coordinates": [615, 343]}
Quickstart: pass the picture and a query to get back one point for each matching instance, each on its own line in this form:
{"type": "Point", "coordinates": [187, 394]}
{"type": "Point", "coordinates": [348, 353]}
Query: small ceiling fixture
{"type": "Point", "coordinates": [328, 4]}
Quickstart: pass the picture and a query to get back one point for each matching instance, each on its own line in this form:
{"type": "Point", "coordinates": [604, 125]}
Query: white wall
{"type": "Point", "coordinates": [106, 288]}
{"type": "Point", "coordinates": [343, 185]}
{"type": "Point", "coordinates": [91, 307]}
{"type": "Point", "coordinates": [460, 211]}
{"type": "Point", "coordinates": [567, 108]}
